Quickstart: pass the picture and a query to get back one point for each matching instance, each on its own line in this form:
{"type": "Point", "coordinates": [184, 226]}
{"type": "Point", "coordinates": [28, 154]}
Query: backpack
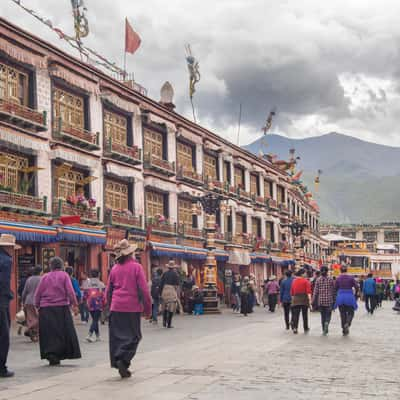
{"type": "Point", "coordinates": [156, 287]}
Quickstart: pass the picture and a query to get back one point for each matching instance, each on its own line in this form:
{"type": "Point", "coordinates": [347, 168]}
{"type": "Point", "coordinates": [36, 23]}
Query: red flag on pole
{"type": "Point", "coordinates": [132, 39]}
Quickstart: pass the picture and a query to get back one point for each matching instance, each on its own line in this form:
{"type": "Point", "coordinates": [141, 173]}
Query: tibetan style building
{"type": "Point", "coordinates": [86, 160]}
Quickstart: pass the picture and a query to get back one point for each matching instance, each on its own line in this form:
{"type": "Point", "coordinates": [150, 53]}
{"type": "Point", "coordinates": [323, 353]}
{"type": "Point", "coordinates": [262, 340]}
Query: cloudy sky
{"type": "Point", "coordinates": [325, 66]}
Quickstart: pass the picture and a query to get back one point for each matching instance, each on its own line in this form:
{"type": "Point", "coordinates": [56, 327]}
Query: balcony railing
{"type": "Point", "coordinates": [222, 236]}
{"type": "Point", "coordinates": [284, 208]}
{"type": "Point", "coordinates": [273, 204]}
{"type": "Point", "coordinates": [164, 227]}
{"type": "Point", "coordinates": [241, 239]}
{"type": "Point", "coordinates": [262, 244]}
{"type": "Point", "coordinates": [243, 195]}
{"type": "Point", "coordinates": [164, 166]}
{"type": "Point", "coordinates": [23, 203]}
{"type": "Point", "coordinates": [62, 207]}
{"type": "Point", "coordinates": [118, 151]}
{"type": "Point", "coordinates": [122, 218]}
{"type": "Point", "coordinates": [191, 232]}
{"type": "Point", "coordinates": [230, 190]}
{"type": "Point", "coordinates": [259, 200]}
{"type": "Point", "coordinates": [190, 176]}
{"type": "Point", "coordinates": [75, 136]}
{"type": "Point", "coordinates": [23, 116]}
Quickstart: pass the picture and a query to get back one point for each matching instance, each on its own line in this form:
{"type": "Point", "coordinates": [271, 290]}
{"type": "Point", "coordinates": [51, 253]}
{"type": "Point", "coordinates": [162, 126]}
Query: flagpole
{"type": "Point", "coordinates": [126, 20]}
{"type": "Point", "coordinates": [239, 122]}
{"type": "Point", "coordinates": [125, 65]}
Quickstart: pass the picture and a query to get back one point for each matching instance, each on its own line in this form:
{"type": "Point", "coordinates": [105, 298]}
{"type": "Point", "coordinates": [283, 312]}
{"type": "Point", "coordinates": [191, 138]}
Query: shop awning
{"type": "Point", "coordinates": [221, 255]}
{"type": "Point", "coordinates": [173, 250]}
{"type": "Point", "coordinates": [239, 257]}
{"type": "Point", "coordinates": [259, 257]}
{"type": "Point", "coordinates": [284, 262]}
{"type": "Point", "coordinates": [81, 235]}
{"type": "Point", "coordinates": [29, 232]}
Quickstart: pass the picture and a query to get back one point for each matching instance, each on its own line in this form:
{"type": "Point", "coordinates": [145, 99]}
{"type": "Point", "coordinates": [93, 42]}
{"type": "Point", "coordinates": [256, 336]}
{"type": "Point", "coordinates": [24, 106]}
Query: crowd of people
{"type": "Point", "coordinates": [301, 292]}
{"type": "Point", "coordinates": [51, 298]}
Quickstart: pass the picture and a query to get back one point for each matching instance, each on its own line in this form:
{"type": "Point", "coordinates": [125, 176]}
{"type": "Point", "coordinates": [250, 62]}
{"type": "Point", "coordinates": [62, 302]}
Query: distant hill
{"type": "Point", "coordinates": [360, 180]}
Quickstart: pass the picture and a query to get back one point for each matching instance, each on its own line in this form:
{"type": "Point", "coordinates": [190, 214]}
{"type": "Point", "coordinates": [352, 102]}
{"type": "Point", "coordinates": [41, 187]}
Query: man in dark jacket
{"type": "Point", "coordinates": [369, 292]}
{"type": "Point", "coordinates": [156, 294]}
{"type": "Point", "coordinates": [7, 246]}
{"type": "Point", "coordinates": [285, 297]}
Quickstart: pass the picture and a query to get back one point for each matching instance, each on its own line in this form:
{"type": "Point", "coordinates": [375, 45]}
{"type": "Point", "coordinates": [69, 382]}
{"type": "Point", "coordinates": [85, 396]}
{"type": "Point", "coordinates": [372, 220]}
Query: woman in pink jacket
{"type": "Point", "coordinates": [129, 297]}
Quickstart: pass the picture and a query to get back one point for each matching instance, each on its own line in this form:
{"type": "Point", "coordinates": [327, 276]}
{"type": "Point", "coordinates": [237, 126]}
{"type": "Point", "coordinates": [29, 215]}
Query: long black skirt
{"type": "Point", "coordinates": [124, 336]}
{"type": "Point", "coordinates": [57, 335]}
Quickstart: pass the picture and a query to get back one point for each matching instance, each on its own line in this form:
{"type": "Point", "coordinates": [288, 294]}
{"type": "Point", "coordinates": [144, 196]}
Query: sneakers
{"type": "Point", "coordinates": [90, 338]}
{"type": "Point", "coordinates": [98, 338]}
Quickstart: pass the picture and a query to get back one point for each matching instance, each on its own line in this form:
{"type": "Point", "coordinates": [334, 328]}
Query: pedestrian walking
{"type": "Point", "coordinates": [369, 292]}
{"type": "Point", "coordinates": [235, 293]}
{"type": "Point", "coordinates": [75, 285]}
{"type": "Point", "coordinates": [380, 292]}
{"type": "Point", "coordinates": [187, 286]}
{"type": "Point", "coordinates": [285, 297]}
{"type": "Point", "coordinates": [324, 298]}
{"type": "Point", "coordinates": [272, 289]}
{"type": "Point", "coordinates": [265, 293]}
{"type": "Point", "coordinates": [169, 294]}
{"type": "Point", "coordinates": [155, 291]}
{"type": "Point", "coordinates": [254, 298]}
{"type": "Point", "coordinates": [129, 296]}
{"type": "Point", "coordinates": [83, 309]}
{"type": "Point", "coordinates": [7, 251]}
{"type": "Point", "coordinates": [245, 297]}
{"type": "Point", "coordinates": [301, 298]}
{"type": "Point", "coordinates": [346, 288]}
{"type": "Point", "coordinates": [94, 297]}
{"type": "Point", "coordinates": [28, 301]}
{"type": "Point", "coordinates": [54, 298]}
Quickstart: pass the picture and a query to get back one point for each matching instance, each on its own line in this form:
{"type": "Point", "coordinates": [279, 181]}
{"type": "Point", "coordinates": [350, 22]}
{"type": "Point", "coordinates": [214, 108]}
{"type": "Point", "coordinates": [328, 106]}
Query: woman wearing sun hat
{"type": "Point", "coordinates": [169, 294]}
{"type": "Point", "coordinates": [129, 297]}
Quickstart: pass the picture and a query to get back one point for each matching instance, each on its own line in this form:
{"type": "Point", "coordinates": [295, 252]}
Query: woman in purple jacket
{"type": "Point", "coordinates": [54, 298]}
{"type": "Point", "coordinates": [129, 296]}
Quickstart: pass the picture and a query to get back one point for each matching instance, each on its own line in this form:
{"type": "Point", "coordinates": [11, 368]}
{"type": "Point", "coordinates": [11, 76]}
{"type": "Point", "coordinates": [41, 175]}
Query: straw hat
{"type": "Point", "coordinates": [9, 241]}
{"type": "Point", "coordinates": [124, 248]}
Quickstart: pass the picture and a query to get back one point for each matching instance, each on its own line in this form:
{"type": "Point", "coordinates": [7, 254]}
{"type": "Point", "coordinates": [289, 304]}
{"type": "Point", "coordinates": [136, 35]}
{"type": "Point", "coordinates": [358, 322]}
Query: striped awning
{"type": "Point", "coordinates": [285, 262]}
{"type": "Point", "coordinates": [221, 255]}
{"type": "Point", "coordinates": [173, 250]}
{"type": "Point", "coordinates": [259, 258]}
{"type": "Point", "coordinates": [80, 235]}
{"type": "Point", "coordinates": [29, 232]}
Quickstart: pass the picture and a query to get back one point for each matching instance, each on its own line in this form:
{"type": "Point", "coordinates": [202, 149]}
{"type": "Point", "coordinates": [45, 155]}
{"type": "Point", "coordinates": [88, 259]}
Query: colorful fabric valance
{"type": "Point", "coordinates": [172, 250]}
{"type": "Point", "coordinates": [29, 232]}
{"type": "Point", "coordinates": [81, 235]}
{"type": "Point", "coordinates": [259, 258]}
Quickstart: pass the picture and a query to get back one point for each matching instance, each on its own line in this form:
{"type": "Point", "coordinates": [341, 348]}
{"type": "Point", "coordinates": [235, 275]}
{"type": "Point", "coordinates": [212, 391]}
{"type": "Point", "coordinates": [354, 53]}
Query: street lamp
{"type": "Point", "coordinates": [297, 229]}
{"type": "Point", "coordinates": [211, 204]}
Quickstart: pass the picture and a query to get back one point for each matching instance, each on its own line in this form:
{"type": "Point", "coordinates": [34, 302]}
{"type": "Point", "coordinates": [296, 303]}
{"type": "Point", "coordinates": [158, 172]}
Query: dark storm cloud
{"type": "Point", "coordinates": [296, 88]}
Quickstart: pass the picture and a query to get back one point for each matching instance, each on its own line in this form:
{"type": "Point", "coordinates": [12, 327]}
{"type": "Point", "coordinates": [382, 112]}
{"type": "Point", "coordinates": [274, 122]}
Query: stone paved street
{"type": "Point", "coordinates": [226, 356]}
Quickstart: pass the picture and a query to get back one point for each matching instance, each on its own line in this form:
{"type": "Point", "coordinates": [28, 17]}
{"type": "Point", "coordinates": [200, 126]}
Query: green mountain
{"type": "Point", "coordinates": [360, 182]}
